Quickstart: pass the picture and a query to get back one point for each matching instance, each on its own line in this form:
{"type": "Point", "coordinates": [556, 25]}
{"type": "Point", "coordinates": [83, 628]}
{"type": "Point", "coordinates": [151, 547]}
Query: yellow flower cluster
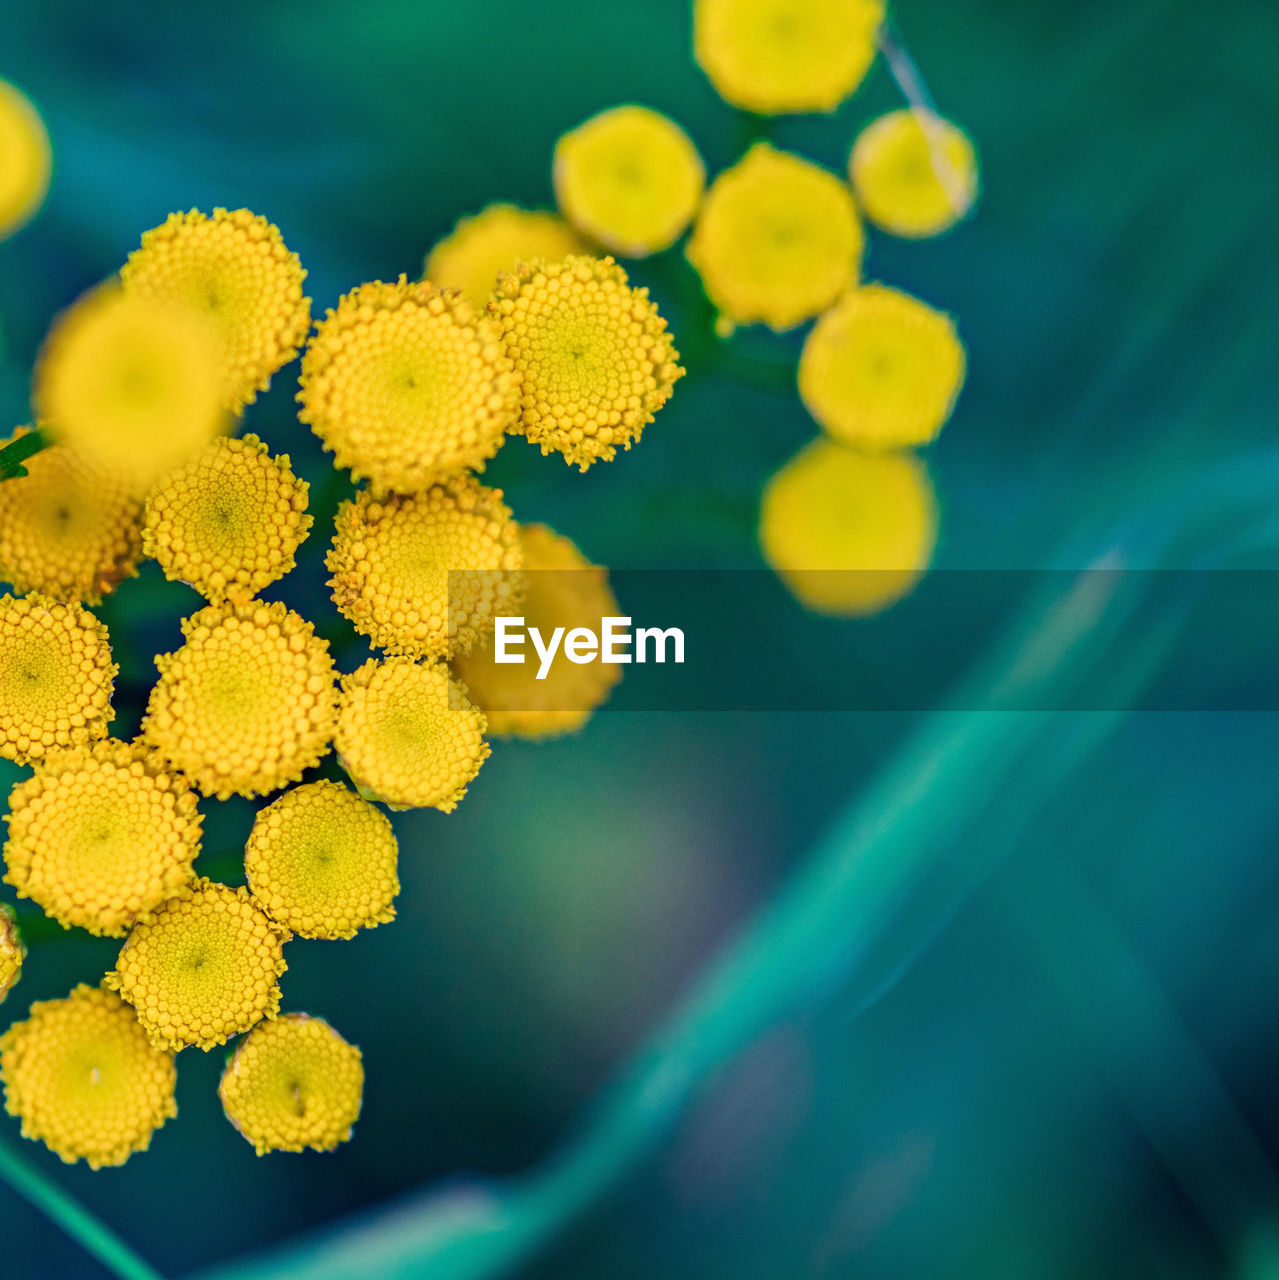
{"type": "Point", "coordinates": [26, 159]}
{"type": "Point", "coordinates": [12, 951]}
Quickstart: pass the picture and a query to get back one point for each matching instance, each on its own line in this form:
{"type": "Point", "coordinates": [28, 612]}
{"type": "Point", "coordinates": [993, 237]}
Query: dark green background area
{"type": "Point", "coordinates": [1072, 1074]}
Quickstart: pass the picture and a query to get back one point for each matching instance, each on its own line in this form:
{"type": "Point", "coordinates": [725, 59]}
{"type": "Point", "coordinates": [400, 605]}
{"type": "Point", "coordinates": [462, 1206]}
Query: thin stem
{"type": "Point", "coordinates": [16, 452]}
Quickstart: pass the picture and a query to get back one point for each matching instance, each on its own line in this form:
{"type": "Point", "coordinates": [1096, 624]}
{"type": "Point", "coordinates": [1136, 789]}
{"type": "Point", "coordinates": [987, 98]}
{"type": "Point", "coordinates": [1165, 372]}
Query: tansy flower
{"type": "Point", "coordinates": [25, 159]}
{"type": "Point", "coordinates": [293, 1083]}
{"type": "Point", "coordinates": [774, 56]}
{"type": "Point", "coordinates": [12, 952]}
{"type": "Point", "coordinates": [881, 370]}
{"type": "Point", "coordinates": [408, 736]}
{"type": "Point", "coordinates": [564, 590]}
{"type": "Point", "coordinates": [425, 575]}
{"type": "Point", "coordinates": [202, 968]}
{"type": "Point", "coordinates": [85, 1080]}
{"type": "Point", "coordinates": [407, 386]}
{"type": "Point", "coordinates": [497, 239]}
{"type": "Point", "coordinates": [629, 178]}
{"type": "Point", "coordinates": [247, 703]}
{"type": "Point", "coordinates": [595, 357]}
{"type": "Point", "coordinates": [914, 173]}
{"type": "Point", "coordinates": [132, 385]}
{"type": "Point", "coordinates": [100, 835]}
{"type": "Point", "coordinates": [229, 520]}
{"type": "Point", "coordinates": [849, 533]}
{"type": "Point", "coordinates": [322, 862]}
{"type": "Point", "coordinates": [56, 677]}
{"type": "Point", "coordinates": [234, 269]}
{"type": "Point", "coordinates": [777, 240]}
{"type": "Point", "coordinates": [68, 528]}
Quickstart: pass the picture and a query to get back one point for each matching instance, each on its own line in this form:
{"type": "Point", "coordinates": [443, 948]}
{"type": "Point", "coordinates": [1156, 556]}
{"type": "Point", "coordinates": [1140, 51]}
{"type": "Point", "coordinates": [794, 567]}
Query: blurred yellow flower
{"type": "Point", "coordinates": [630, 178]}
{"type": "Point", "coordinates": [12, 951]}
{"type": "Point", "coordinates": [777, 240]}
{"type": "Point", "coordinates": [848, 533]}
{"type": "Point", "coordinates": [26, 160]}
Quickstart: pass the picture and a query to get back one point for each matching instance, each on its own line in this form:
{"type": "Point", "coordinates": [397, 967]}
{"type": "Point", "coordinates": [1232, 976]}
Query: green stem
{"type": "Point", "coordinates": [16, 452]}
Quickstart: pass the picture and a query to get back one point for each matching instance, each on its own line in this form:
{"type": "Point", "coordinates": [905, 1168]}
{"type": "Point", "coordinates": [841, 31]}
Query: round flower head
{"type": "Point", "coordinates": [775, 56]}
{"type": "Point", "coordinates": [321, 861]}
{"type": "Point", "coordinates": [202, 967]}
{"type": "Point", "coordinates": [497, 239]}
{"type": "Point", "coordinates": [848, 533]}
{"type": "Point", "coordinates": [25, 159]}
{"type": "Point", "coordinates": [229, 520]}
{"type": "Point", "coordinates": [234, 269]}
{"type": "Point", "coordinates": [913, 173]}
{"type": "Point", "coordinates": [247, 703]}
{"type": "Point", "coordinates": [56, 677]}
{"type": "Point", "coordinates": [100, 835]}
{"type": "Point", "coordinates": [293, 1083]}
{"type": "Point", "coordinates": [881, 370]}
{"type": "Point", "coordinates": [12, 952]}
{"type": "Point", "coordinates": [426, 575]}
{"type": "Point", "coordinates": [408, 736]}
{"type": "Point", "coordinates": [132, 385]}
{"type": "Point", "coordinates": [778, 239]}
{"type": "Point", "coordinates": [407, 386]}
{"type": "Point", "coordinates": [85, 1080]}
{"type": "Point", "coordinates": [68, 528]}
{"type": "Point", "coordinates": [629, 178]}
{"type": "Point", "coordinates": [563, 590]}
{"type": "Point", "coordinates": [595, 357]}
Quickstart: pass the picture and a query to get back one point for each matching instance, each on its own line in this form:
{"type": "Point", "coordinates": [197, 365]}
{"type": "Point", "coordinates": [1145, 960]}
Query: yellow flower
{"type": "Point", "coordinates": [497, 239]}
{"type": "Point", "coordinates": [425, 575]}
{"type": "Point", "coordinates": [322, 862]}
{"type": "Point", "coordinates": [774, 56]}
{"type": "Point", "coordinates": [229, 520]}
{"type": "Point", "coordinates": [293, 1083]}
{"type": "Point", "coordinates": [234, 269]}
{"type": "Point", "coordinates": [408, 736]}
{"type": "Point", "coordinates": [25, 159]}
{"type": "Point", "coordinates": [202, 967]}
{"type": "Point", "coordinates": [56, 677]}
{"type": "Point", "coordinates": [564, 590]}
{"type": "Point", "coordinates": [914, 173]}
{"type": "Point", "coordinates": [100, 835]}
{"type": "Point", "coordinates": [407, 386]}
{"type": "Point", "coordinates": [85, 1080]}
{"type": "Point", "coordinates": [68, 528]}
{"type": "Point", "coordinates": [595, 357]}
{"type": "Point", "coordinates": [778, 239]}
{"type": "Point", "coordinates": [848, 533]}
{"type": "Point", "coordinates": [247, 704]}
{"type": "Point", "coordinates": [881, 370]}
{"type": "Point", "coordinates": [12, 952]}
{"type": "Point", "coordinates": [131, 385]}
{"type": "Point", "coordinates": [629, 178]}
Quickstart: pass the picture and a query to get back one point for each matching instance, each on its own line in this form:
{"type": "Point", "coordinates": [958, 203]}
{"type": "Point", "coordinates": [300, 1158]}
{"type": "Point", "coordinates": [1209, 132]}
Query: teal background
{"type": "Point", "coordinates": [1055, 1053]}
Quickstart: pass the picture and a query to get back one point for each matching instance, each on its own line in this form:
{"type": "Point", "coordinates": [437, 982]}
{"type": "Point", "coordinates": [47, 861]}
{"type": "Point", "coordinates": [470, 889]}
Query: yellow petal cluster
{"type": "Point", "coordinates": [777, 240]}
{"type": "Point", "coordinates": [563, 590]}
{"type": "Point", "coordinates": [100, 835]}
{"type": "Point", "coordinates": [881, 370]}
{"type": "Point", "coordinates": [776, 56]}
{"type": "Point", "coordinates": [229, 520]}
{"type": "Point", "coordinates": [26, 159]}
{"type": "Point", "coordinates": [321, 861]}
{"type": "Point", "coordinates": [234, 269]}
{"type": "Point", "coordinates": [426, 574]}
{"type": "Point", "coordinates": [247, 703]}
{"type": "Point", "coordinates": [69, 528]}
{"type": "Point", "coordinates": [12, 951]}
{"type": "Point", "coordinates": [408, 735]}
{"type": "Point", "coordinates": [56, 677]}
{"type": "Point", "coordinates": [293, 1083]}
{"type": "Point", "coordinates": [497, 239]}
{"type": "Point", "coordinates": [407, 386]}
{"type": "Point", "coordinates": [849, 533]}
{"type": "Point", "coordinates": [594, 356]}
{"type": "Point", "coordinates": [630, 178]}
{"type": "Point", "coordinates": [85, 1080]}
{"type": "Point", "coordinates": [913, 173]}
{"type": "Point", "coordinates": [202, 967]}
